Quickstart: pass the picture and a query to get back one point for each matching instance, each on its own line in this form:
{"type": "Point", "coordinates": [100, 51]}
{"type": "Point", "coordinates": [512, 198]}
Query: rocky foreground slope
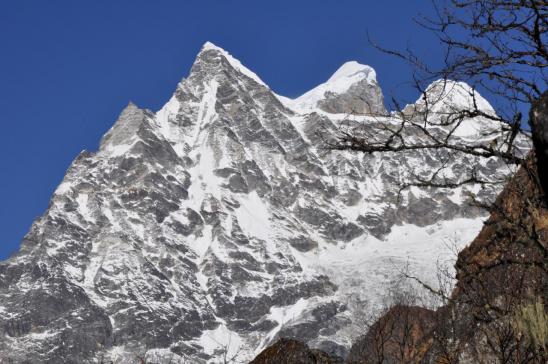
{"type": "Point", "coordinates": [497, 311]}
{"type": "Point", "coordinates": [214, 226]}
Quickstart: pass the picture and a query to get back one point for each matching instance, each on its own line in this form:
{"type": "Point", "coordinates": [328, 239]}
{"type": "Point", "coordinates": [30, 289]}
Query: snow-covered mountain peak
{"type": "Point", "coordinates": [448, 96]}
{"type": "Point", "coordinates": [349, 73]}
{"type": "Point", "coordinates": [209, 47]}
{"type": "Point", "coordinates": [352, 89]}
{"type": "Point", "coordinates": [445, 101]}
{"type": "Point", "coordinates": [125, 130]}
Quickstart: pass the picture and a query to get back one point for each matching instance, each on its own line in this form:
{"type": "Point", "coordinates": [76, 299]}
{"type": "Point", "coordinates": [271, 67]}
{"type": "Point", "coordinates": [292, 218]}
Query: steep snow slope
{"type": "Point", "coordinates": [215, 225]}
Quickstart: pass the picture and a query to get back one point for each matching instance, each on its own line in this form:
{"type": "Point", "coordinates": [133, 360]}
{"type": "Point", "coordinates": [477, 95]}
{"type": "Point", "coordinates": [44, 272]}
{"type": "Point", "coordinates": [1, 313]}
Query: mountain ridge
{"type": "Point", "coordinates": [220, 223]}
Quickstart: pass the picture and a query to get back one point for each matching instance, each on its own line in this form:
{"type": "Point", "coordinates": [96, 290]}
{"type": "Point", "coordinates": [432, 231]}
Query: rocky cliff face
{"type": "Point", "coordinates": [499, 275]}
{"type": "Point", "coordinates": [219, 223]}
{"type": "Point", "coordinates": [502, 272]}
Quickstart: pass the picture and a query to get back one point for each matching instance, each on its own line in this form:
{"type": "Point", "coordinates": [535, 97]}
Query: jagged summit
{"type": "Point", "coordinates": [125, 129]}
{"type": "Point", "coordinates": [352, 89]}
{"type": "Point", "coordinates": [236, 64]}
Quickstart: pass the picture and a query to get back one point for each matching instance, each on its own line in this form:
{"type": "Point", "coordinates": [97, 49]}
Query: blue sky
{"type": "Point", "coordinates": [67, 68]}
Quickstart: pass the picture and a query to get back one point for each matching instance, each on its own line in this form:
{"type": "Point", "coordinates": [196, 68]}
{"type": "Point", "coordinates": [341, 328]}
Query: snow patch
{"type": "Point", "coordinates": [253, 216]}
{"type": "Point", "coordinates": [83, 207]}
{"type": "Point", "coordinates": [221, 340]}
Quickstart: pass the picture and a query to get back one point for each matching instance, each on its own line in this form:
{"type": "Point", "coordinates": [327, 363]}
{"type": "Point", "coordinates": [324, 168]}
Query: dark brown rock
{"type": "Point", "coordinates": [288, 351]}
{"type": "Point", "coordinates": [401, 335]}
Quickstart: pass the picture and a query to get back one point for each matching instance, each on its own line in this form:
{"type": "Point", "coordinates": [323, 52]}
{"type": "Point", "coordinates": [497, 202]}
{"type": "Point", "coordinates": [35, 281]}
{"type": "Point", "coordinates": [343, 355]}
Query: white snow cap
{"type": "Point", "coordinates": [351, 72]}
{"type": "Point", "coordinates": [347, 75]}
{"type": "Point", "coordinates": [448, 96]}
{"type": "Point", "coordinates": [444, 95]}
{"type": "Point", "coordinates": [233, 62]}
{"type": "Point", "coordinates": [208, 46]}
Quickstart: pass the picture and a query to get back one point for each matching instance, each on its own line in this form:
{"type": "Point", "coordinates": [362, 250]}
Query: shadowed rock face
{"type": "Point", "coordinates": [504, 268]}
{"type": "Point", "coordinates": [538, 118]}
{"type": "Point", "coordinates": [197, 231]}
{"type": "Point", "coordinates": [361, 98]}
{"type": "Point", "coordinates": [287, 351]}
{"type": "Point", "coordinates": [400, 335]}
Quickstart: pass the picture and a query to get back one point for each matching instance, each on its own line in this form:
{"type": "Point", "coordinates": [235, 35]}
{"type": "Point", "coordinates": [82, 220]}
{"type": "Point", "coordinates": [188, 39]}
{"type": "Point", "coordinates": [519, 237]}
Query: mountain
{"type": "Point", "coordinates": [220, 223]}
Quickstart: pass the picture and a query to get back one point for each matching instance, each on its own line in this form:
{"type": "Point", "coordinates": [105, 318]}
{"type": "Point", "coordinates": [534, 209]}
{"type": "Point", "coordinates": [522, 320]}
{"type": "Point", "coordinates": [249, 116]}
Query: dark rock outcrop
{"type": "Point", "coordinates": [401, 334]}
{"type": "Point", "coordinates": [538, 119]}
{"type": "Point", "coordinates": [289, 351]}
